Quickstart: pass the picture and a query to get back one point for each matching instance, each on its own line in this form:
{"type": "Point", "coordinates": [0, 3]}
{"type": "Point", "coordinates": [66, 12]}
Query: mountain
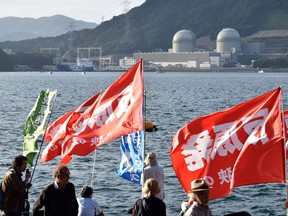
{"type": "Point", "coordinates": [152, 25]}
{"type": "Point", "coordinates": [6, 63]}
{"type": "Point", "coordinates": [16, 29]}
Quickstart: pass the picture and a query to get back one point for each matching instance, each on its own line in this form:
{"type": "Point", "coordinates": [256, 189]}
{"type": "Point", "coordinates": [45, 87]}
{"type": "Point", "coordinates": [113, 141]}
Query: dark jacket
{"type": "Point", "coordinates": [14, 189]}
{"type": "Point", "coordinates": [149, 206]}
{"type": "Point", "coordinates": [57, 202]}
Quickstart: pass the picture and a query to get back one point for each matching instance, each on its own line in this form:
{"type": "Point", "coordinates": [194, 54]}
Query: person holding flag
{"type": "Point", "coordinates": [14, 187]}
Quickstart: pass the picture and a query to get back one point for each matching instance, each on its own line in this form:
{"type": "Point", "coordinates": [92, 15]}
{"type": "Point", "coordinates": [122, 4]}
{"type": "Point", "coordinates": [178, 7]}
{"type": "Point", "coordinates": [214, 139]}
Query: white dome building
{"type": "Point", "coordinates": [228, 40]}
{"type": "Point", "coordinates": [183, 41]}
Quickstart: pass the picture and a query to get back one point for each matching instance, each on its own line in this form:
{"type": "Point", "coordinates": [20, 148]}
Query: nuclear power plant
{"type": "Point", "coordinates": [230, 50]}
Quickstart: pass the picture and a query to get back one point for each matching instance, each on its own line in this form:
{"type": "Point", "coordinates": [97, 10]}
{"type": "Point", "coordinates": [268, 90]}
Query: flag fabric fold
{"type": "Point", "coordinates": [58, 130]}
{"type": "Point", "coordinates": [285, 117]}
{"type": "Point", "coordinates": [117, 112]}
{"type": "Point", "coordinates": [35, 123]}
{"type": "Point", "coordinates": [131, 164]}
{"type": "Point", "coordinates": [239, 146]}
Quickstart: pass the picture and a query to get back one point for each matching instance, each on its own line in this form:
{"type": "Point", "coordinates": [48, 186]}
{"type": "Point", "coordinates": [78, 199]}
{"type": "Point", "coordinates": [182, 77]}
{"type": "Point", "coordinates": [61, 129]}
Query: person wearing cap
{"type": "Point", "coordinates": [87, 205]}
{"type": "Point", "coordinates": [153, 170]}
{"type": "Point", "coordinates": [150, 204]}
{"type": "Point", "coordinates": [199, 196]}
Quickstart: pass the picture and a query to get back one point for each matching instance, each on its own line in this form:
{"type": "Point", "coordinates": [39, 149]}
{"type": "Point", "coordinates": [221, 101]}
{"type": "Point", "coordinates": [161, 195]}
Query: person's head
{"type": "Point", "coordinates": [151, 159]}
{"type": "Point", "coordinates": [199, 192]}
{"type": "Point", "coordinates": [151, 187]}
{"type": "Point", "coordinates": [86, 192]}
{"type": "Point", "coordinates": [62, 175]}
{"type": "Point", "coordinates": [19, 163]}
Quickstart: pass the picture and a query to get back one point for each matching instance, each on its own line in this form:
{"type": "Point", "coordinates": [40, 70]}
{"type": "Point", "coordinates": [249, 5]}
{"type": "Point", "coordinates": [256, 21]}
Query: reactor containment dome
{"type": "Point", "coordinates": [183, 41]}
{"type": "Point", "coordinates": [228, 40]}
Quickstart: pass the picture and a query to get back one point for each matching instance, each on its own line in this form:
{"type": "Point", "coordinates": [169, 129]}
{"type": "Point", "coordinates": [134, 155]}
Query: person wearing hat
{"type": "Point", "coordinates": [199, 197]}
{"type": "Point", "coordinates": [153, 170]}
{"type": "Point", "coordinates": [150, 204]}
{"type": "Point", "coordinates": [87, 205]}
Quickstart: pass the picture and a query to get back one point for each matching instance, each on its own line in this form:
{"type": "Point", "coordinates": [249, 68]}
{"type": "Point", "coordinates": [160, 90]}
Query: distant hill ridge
{"type": "Point", "coordinates": [16, 29]}
{"type": "Point", "coordinates": [152, 26]}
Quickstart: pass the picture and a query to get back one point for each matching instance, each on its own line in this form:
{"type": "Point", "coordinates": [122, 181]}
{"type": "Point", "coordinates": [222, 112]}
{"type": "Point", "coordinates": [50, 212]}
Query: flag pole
{"type": "Point", "coordinates": [26, 208]}
{"type": "Point", "coordinates": [93, 169]}
{"type": "Point", "coordinates": [144, 133]}
{"type": "Point", "coordinates": [144, 124]}
{"type": "Point", "coordinates": [42, 140]}
{"type": "Point", "coordinates": [284, 138]}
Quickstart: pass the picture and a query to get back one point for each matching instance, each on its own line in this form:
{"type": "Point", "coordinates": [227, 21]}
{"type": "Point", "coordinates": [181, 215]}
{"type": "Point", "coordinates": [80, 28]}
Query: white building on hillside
{"type": "Point", "coordinates": [185, 54]}
{"type": "Point", "coordinates": [127, 62]}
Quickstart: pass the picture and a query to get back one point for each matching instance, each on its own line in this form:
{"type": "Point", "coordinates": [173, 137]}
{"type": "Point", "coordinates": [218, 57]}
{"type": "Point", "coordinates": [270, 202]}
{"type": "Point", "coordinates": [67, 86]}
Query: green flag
{"type": "Point", "coordinates": [35, 123]}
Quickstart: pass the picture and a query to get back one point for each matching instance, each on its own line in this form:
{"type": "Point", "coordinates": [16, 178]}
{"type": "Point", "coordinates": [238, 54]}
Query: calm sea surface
{"type": "Point", "coordinates": [173, 100]}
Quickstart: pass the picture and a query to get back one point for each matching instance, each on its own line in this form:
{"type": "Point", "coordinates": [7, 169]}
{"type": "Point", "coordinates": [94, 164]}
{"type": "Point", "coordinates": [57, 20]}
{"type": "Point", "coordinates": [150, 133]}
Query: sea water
{"type": "Point", "coordinates": [172, 100]}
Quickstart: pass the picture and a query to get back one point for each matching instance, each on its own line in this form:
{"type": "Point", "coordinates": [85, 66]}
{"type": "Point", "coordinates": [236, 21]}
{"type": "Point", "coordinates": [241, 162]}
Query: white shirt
{"type": "Point", "coordinates": [198, 210]}
{"type": "Point", "coordinates": [88, 207]}
{"type": "Point", "coordinates": [157, 173]}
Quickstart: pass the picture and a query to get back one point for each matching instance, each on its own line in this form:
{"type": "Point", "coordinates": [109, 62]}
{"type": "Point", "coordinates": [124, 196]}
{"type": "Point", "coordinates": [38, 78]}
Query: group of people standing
{"type": "Point", "coordinates": [56, 199]}
{"type": "Point", "coordinates": [152, 204]}
{"type": "Point", "coordinates": [59, 199]}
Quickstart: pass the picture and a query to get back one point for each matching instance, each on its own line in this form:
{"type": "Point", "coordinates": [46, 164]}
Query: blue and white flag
{"type": "Point", "coordinates": [131, 164]}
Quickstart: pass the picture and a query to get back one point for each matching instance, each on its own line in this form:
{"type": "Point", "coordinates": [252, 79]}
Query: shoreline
{"type": "Point", "coordinates": [188, 70]}
{"type": "Point", "coordinates": [227, 70]}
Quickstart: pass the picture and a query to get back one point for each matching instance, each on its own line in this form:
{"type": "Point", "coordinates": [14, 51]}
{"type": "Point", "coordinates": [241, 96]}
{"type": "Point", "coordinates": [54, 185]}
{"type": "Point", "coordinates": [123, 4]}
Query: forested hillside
{"type": "Point", "coordinates": [152, 25]}
{"type": "Point", "coordinates": [5, 62]}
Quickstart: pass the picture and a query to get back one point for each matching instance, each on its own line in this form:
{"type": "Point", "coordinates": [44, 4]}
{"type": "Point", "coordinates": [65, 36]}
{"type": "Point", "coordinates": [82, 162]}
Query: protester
{"type": "Point", "coordinates": [87, 205]}
{"type": "Point", "coordinates": [153, 170]}
{"type": "Point", "coordinates": [14, 187]}
{"type": "Point", "coordinates": [58, 198]}
{"type": "Point", "coordinates": [150, 204]}
{"type": "Point", "coordinates": [199, 197]}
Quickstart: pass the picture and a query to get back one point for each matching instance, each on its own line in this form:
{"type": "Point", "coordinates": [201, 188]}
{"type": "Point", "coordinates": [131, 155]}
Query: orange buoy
{"type": "Point", "coordinates": [149, 126]}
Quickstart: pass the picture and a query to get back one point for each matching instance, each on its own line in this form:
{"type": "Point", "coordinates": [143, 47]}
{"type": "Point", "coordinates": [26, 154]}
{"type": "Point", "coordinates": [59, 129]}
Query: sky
{"type": "Point", "coordinates": [86, 10]}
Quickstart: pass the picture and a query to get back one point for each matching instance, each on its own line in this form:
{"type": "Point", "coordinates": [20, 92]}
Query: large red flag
{"type": "Point", "coordinates": [239, 146]}
{"type": "Point", "coordinates": [286, 130]}
{"type": "Point", "coordinates": [58, 130]}
{"type": "Point", "coordinates": [118, 112]}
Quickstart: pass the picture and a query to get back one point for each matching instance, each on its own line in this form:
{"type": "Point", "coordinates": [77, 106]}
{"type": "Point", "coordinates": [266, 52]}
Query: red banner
{"type": "Point", "coordinates": [118, 112]}
{"type": "Point", "coordinates": [239, 146]}
{"type": "Point", "coordinates": [286, 130]}
{"type": "Point", "coordinates": [58, 130]}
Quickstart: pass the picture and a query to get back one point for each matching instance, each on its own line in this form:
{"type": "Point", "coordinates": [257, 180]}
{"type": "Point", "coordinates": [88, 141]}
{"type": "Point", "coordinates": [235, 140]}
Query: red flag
{"type": "Point", "coordinates": [286, 130]}
{"type": "Point", "coordinates": [118, 112]}
{"type": "Point", "coordinates": [57, 131]}
{"type": "Point", "coordinates": [239, 146]}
